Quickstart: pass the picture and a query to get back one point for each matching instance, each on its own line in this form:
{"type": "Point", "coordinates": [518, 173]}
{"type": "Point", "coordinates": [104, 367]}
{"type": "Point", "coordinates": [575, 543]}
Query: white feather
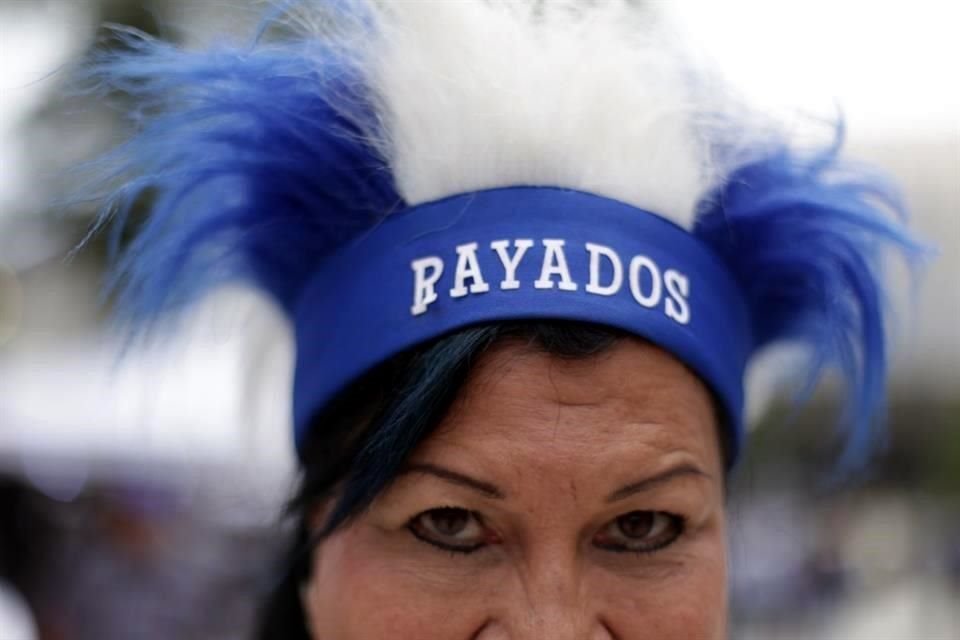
{"type": "Point", "coordinates": [476, 94]}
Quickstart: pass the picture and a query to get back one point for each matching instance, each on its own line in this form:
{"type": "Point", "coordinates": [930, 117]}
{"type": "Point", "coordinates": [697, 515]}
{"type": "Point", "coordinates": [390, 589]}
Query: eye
{"type": "Point", "coordinates": [640, 531]}
{"type": "Point", "coordinates": [450, 528]}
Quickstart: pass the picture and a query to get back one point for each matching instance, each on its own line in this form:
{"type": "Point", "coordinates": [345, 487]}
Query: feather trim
{"type": "Point", "coordinates": [806, 236]}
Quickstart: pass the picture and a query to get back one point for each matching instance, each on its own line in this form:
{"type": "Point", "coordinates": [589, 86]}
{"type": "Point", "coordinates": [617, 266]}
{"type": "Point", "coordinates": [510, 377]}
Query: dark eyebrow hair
{"type": "Point", "coordinates": [455, 477]}
{"type": "Point", "coordinates": [656, 480]}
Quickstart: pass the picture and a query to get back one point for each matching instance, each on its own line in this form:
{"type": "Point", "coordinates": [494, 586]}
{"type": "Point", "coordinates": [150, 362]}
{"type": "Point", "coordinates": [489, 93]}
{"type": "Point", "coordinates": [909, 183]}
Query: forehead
{"type": "Point", "coordinates": [633, 404]}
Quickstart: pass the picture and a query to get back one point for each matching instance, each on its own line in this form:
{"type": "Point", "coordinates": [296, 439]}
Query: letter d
{"type": "Point", "coordinates": [594, 286]}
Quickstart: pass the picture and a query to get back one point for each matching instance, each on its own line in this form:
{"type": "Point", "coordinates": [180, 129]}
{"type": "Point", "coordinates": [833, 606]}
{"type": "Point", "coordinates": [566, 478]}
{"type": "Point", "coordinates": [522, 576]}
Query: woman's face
{"type": "Point", "coordinates": [561, 499]}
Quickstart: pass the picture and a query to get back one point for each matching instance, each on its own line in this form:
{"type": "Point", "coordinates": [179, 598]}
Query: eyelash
{"type": "Point", "coordinates": [678, 524]}
{"type": "Point", "coordinates": [455, 550]}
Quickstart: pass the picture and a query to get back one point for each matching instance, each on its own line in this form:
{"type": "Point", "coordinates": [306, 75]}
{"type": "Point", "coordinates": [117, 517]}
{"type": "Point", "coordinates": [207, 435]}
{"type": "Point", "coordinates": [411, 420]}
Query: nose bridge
{"type": "Point", "coordinates": [552, 603]}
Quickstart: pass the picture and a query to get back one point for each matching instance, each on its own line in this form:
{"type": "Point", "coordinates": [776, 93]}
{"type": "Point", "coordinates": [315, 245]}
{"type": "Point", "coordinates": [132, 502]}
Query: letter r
{"type": "Point", "coordinates": [426, 273]}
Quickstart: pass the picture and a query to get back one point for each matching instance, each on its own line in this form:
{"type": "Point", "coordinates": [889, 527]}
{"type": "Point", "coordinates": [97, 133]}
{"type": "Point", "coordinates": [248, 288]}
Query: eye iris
{"type": "Point", "coordinates": [449, 522]}
{"type": "Point", "coordinates": [636, 525]}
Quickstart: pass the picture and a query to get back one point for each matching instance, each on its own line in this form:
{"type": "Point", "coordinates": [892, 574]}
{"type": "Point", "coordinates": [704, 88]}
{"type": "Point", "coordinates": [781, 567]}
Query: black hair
{"type": "Point", "coordinates": [359, 443]}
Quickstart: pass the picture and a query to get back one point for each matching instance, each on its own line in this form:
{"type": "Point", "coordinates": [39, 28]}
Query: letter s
{"type": "Point", "coordinates": [678, 291]}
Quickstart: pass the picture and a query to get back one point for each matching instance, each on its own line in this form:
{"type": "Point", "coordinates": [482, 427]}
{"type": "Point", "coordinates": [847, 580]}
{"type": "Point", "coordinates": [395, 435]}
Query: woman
{"type": "Point", "coordinates": [527, 254]}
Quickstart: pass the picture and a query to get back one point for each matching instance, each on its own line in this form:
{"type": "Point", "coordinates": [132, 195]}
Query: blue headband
{"type": "Point", "coordinates": [520, 253]}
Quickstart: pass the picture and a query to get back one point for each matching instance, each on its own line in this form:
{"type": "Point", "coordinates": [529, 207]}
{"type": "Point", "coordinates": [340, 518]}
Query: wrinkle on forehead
{"type": "Point", "coordinates": [633, 402]}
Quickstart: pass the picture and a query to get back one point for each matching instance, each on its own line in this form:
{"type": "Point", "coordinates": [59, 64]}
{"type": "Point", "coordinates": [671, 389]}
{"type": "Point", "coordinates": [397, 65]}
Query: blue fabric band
{"type": "Point", "coordinates": [397, 287]}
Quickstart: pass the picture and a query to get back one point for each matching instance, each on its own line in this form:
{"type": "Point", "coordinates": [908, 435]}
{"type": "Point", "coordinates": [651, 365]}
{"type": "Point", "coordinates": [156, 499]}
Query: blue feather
{"type": "Point", "coordinates": [805, 236]}
{"type": "Point", "coordinates": [255, 160]}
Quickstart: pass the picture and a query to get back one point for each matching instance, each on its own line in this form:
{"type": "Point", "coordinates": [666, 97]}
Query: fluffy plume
{"type": "Point", "coordinates": [589, 96]}
{"type": "Point", "coordinates": [805, 235]}
{"type": "Point", "coordinates": [254, 159]}
{"type": "Point", "coordinates": [263, 158]}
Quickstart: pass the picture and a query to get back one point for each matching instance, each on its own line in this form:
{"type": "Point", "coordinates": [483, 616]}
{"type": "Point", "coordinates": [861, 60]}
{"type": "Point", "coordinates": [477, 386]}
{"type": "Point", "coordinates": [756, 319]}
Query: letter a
{"type": "Point", "coordinates": [468, 269]}
{"type": "Point", "coordinates": [555, 264]}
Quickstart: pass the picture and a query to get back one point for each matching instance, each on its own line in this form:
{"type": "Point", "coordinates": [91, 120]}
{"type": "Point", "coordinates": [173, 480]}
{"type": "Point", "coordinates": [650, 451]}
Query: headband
{"type": "Point", "coordinates": [521, 253]}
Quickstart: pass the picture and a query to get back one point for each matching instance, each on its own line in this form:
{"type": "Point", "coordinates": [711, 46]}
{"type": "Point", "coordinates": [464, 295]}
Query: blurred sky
{"type": "Point", "coordinates": [891, 65]}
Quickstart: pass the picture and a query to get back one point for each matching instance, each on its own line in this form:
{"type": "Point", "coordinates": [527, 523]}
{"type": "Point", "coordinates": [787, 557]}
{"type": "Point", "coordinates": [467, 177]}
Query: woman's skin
{"type": "Point", "coordinates": [549, 483]}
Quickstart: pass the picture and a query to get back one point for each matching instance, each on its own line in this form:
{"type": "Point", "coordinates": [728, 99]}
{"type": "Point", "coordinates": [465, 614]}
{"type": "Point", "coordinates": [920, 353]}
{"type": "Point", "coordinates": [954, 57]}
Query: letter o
{"type": "Point", "coordinates": [637, 266]}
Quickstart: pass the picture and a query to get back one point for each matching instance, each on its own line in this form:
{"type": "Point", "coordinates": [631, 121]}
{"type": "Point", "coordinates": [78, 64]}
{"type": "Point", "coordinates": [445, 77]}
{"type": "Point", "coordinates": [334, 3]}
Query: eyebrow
{"type": "Point", "coordinates": [487, 489]}
{"type": "Point", "coordinates": [646, 484]}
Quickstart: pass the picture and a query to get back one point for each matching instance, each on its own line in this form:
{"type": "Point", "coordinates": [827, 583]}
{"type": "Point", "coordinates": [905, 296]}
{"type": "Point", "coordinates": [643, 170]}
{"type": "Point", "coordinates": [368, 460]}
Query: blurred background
{"type": "Point", "coordinates": [140, 496]}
